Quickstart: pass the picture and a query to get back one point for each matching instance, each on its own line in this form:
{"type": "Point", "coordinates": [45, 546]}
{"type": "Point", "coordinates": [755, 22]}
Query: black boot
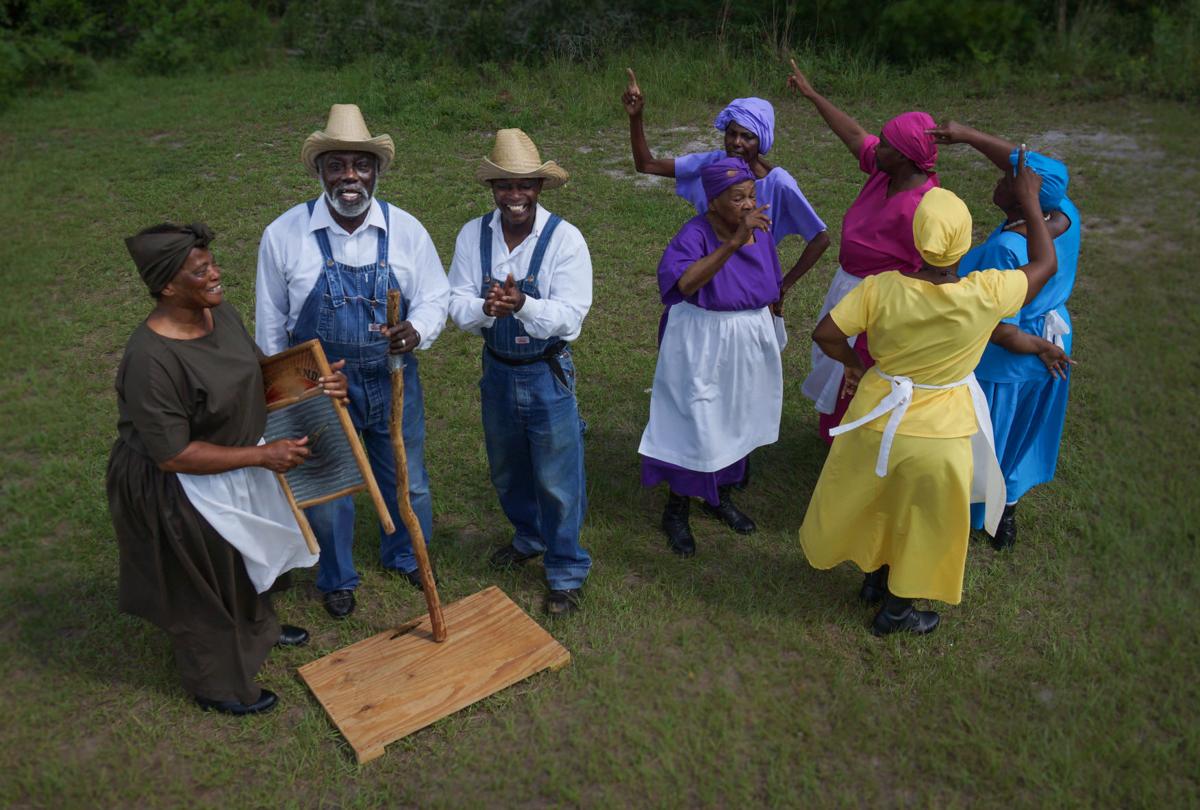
{"type": "Point", "coordinates": [874, 587]}
{"type": "Point", "coordinates": [1006, 532]}
{"type": "Point", "coordinates": [728, 514]}
{"type": "Point", "coordinates": [675, 524]}
{"type": "Point", "coordinates": [898, 615]}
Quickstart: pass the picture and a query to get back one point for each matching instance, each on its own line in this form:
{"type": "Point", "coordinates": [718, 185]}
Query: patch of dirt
{"type": "Point", "coordinates": [1102, 144]}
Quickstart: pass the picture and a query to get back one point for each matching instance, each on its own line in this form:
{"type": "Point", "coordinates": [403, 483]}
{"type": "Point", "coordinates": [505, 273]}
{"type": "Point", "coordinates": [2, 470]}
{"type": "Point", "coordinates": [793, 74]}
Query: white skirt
{"type": "Point", "coordinates": [823, 384]}
{"type": "Point", "coordinates": [247, 507]}
{"type": "Point", "coordinates": [718, 388]}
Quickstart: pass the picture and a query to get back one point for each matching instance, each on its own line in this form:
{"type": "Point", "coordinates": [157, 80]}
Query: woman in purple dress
{"type": "Point", "coordinates": [749, 127]}
{"type": "Point", "coordinates": [718, 385]}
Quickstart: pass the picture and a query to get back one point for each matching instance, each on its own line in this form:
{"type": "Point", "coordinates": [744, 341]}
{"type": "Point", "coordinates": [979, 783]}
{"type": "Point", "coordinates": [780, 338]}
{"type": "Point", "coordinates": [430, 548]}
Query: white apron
{"type": "Point", "coordinates": [824, 382]}
{"type": "Point", "coordinates": [1054, 328]}
{"type": "Point", "coordinates": [987, 483]}
{"type": "Point", "coordinates": [718, 388]}
{"type": "Point", "coordinates": [247, 507]}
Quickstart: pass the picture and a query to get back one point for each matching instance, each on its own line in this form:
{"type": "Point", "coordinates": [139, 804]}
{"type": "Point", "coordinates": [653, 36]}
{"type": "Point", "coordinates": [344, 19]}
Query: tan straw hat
{"type": "Point", "coordinates": [514, 157]}
{"type": "Point", "coordinates": [346, 131]}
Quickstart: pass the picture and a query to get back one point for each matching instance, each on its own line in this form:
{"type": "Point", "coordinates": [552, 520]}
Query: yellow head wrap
{"type": "Point", "coordinates": [942, 227]}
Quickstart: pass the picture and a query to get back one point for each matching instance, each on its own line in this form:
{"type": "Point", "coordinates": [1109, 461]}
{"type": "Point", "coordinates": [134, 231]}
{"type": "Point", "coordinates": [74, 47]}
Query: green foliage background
{"type": "Point", "coordinates": [1104, 46]}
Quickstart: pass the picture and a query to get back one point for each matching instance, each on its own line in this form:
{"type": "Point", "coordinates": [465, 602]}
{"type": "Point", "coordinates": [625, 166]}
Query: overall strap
{"type": "Point", "coordinates": [337, 295]}
{"type": "Point", "coordinates": [485, 248]}
{"type": "Point", "coordinates": [539, 252]}
{"type": "Point", "coordinates": [383, 272]}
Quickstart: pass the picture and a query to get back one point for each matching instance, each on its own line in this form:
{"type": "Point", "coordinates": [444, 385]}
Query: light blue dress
{"type": "Point", "coordinates": [1028, 405]}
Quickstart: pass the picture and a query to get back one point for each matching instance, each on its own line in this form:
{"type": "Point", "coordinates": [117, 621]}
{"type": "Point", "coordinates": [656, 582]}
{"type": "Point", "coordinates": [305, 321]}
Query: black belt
{"type": "Point", "coordinates": [549, 357]}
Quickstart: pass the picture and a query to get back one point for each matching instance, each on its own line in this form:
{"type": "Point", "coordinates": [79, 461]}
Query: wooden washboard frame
{"type": "Point", "coordinates": [296, 406]}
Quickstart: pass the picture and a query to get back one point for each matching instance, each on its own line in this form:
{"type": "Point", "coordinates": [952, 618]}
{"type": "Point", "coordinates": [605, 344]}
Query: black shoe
{"type": "Point", "coordinates": [910, 620]}
{"type": "Point", "coordinates": [728, 514]}
{"type": "Point", "coordinates": [508, 556]}
{"type": "Point", "coordinates": [266, 700]}
{"type": "Point", "coordinates": [1006, 532]}
{"type": "Point", "coordinates": [874, 587]}
{"type": "Point", "coordinates": [339, 604]}
{"type": "Point", "coordinates": [565, 601]}
{"type": "Point", "coordinates": [291, 636]}
{"type": "Point", "coordinates": [675, 525]}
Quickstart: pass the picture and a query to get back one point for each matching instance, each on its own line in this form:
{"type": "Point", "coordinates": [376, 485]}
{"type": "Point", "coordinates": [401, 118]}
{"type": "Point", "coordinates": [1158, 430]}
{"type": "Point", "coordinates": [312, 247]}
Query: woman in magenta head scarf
{"type": "Point", "coordinates": [877, 231]}
{"type": "Point", "coordinates": [749, 127]}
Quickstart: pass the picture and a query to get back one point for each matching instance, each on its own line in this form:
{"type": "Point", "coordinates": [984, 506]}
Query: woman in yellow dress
{"type": "Point", "coordinates": [894, 494]}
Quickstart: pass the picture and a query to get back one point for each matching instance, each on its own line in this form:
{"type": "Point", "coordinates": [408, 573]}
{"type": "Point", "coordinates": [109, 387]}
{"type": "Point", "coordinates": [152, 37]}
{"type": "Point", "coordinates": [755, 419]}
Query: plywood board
{"type": "Point", "coordinates": [394, 683]}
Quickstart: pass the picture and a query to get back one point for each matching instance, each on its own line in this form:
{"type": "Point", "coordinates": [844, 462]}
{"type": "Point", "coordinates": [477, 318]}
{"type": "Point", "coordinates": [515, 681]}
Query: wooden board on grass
{"type": "Point", "coordinates": [394, 683]}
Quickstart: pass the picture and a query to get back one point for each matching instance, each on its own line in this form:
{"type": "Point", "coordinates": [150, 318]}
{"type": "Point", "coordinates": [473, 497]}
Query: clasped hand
{"type": "Point", "coordinates": [503, 300]}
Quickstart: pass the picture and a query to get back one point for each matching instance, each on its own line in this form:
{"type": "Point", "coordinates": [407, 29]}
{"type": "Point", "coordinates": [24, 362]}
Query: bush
{"type": "Point", "coordinates": [203, 34]}
{"type": "Point", "coordinates": [53, 43]}
{"type": "Point", "coordinates": [1174, 65]}
{"type": "Point", "coordinates": [35, 62]}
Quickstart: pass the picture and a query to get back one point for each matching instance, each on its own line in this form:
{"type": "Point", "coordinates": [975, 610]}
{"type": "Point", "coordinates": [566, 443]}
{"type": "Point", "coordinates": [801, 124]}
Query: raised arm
{"type": "Point", "coordinates": [1043, 263]}
{"type": "Point", "coordinates": [994, 148]}
{"type": "Point", "coordinates": [845, 127]}
{"type": "Point", "coordinates": [643, 160]}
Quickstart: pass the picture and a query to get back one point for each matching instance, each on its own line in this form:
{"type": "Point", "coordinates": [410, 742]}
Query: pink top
{"type": "Point", "coordinates": [877, 231]}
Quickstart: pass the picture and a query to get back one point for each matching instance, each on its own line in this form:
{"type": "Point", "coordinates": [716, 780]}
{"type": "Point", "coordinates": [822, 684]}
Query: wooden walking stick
{"type": "Point", "coordinates": [407, 516]}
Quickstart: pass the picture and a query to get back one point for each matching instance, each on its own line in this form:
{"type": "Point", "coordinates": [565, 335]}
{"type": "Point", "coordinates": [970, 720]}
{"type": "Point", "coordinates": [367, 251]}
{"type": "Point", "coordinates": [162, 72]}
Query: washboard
{"type": "Point", "coordinates": [297, 407]}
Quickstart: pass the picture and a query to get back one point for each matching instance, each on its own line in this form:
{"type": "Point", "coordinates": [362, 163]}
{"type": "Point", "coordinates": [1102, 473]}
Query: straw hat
{"type": "Point", "coordinates": [346, 131]}
{"type": "Point", "coordinates": [515, 157]}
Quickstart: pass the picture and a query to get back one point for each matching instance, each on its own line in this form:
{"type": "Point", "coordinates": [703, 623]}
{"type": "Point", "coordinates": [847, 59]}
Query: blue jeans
{"type": "Point", "coordinates": [534, 443]}
{"type": "Point", "coordinates": [333, 522]}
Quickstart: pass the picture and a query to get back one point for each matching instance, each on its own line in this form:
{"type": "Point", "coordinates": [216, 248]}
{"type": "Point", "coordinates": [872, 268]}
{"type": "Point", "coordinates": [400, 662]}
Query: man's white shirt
{"type": "Point", "coordinates": [564, 281]}
{"type": "Point", "coordinates": [290, 263]}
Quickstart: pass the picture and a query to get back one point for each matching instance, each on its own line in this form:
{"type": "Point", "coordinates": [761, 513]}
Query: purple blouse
{"type": "Point", "coordinates": [750, 278]}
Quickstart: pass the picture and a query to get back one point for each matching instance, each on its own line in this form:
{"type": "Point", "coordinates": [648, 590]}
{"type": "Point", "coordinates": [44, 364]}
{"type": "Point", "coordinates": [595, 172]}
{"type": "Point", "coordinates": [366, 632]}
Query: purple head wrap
{"type": "Point", "coordinates": [721, 174]}
{"type": "Point", "coordinates": [906, 133]}
{"type": "Point", "coordinates": [755, 114]}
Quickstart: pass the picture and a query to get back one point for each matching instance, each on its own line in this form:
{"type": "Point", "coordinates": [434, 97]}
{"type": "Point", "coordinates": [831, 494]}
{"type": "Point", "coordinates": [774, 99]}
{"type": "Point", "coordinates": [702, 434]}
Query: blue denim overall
{"type": "Point", "coordinates": [531, 427]}
{"type": "Point", "coordinates": [345, 310]}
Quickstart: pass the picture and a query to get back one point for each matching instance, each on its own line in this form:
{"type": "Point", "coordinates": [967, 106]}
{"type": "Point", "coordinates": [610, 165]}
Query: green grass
{"type": "Point", "coordinates": [742, 677]}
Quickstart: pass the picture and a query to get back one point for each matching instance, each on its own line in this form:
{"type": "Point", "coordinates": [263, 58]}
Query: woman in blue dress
{"type": "Point", "coordinates": [1025, 370]}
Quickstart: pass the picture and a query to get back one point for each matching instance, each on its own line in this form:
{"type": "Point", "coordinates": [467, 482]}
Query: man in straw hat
{"type": "Point", "coordinates": [522, 279]}
{"type": "Point", "coordinates": [324, 271]}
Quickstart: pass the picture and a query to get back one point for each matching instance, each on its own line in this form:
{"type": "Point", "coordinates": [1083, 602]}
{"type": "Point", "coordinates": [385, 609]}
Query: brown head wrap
{"type": "Point", "coordinates": [160, 250]}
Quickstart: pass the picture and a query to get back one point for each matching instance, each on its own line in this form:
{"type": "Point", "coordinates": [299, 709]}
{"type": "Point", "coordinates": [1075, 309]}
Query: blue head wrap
{"type": "Point", "coordinates": [1054, 178]}
{"type": "Point", "coordinates": [755, 114]}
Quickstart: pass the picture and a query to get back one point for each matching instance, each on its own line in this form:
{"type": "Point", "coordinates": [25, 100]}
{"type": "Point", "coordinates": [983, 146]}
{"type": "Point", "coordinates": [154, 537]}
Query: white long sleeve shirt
{"type": "Point", "coordinates": [290, 263]}
{"type": "Point", "coordinates": [564, 282]}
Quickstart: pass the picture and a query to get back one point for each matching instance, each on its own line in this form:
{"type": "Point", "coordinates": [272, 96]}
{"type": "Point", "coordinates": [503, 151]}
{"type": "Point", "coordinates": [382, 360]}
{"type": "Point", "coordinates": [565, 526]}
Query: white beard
{"type": "Point", "coordinates": [350, 211]}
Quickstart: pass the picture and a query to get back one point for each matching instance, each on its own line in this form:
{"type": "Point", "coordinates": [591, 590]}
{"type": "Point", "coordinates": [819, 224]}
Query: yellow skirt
{"type": "Point", "coordinates": [917, 519]}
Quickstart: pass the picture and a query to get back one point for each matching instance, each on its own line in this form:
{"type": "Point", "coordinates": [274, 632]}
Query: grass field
{"type": "Point", "coordinates": [1067, 677]}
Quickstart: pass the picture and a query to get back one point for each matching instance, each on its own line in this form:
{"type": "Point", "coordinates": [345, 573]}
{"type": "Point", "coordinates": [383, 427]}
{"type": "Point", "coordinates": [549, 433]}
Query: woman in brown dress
{"type": "Point", "coordinates": [190, 400]}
